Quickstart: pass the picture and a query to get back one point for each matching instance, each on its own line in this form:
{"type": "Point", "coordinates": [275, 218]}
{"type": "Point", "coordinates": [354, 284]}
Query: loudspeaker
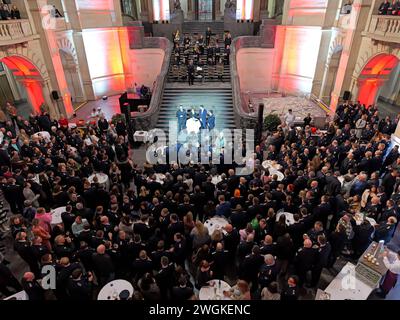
{"type": "Point", "coordinates": [260, 121]}
{"type": "Point", "coordinates": [55, 95]}
{"type": "Point", "coordinates": [346, 95]}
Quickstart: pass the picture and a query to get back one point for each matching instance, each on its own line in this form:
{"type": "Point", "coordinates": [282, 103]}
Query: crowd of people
{"type": "Point", "coordinates": [8, 12]}
{"type": "Point", "coordinates": [389, 8]}
{"type": "Point", "coordinates": [153, 234]}
{"type": "Point", "coordinates": [192, 51]}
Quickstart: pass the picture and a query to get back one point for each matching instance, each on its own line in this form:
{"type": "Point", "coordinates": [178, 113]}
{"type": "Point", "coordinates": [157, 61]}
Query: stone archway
{"type": "Point", "coordinates": [72, 77]}
{"type": "Point", "coordinates": [69, 59]}
{"type": "Point", "coordinates": [28, 74]}
{"type": "Point", "coordinates": [373, 75]}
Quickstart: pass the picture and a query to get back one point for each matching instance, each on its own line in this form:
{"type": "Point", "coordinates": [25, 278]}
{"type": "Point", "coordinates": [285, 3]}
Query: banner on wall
{"type": "Point", "coordinates": [244, 9]}
{"type": "Point", "coordinates": [161, 10]}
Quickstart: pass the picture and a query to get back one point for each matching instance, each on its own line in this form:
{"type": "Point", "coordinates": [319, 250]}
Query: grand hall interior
{"type": "Point", "coordinates": [176, 150]}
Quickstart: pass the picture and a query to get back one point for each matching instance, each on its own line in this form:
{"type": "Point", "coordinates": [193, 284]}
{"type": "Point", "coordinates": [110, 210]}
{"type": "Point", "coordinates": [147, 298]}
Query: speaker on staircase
{"type": "Point", "coordinates": [260, 123]}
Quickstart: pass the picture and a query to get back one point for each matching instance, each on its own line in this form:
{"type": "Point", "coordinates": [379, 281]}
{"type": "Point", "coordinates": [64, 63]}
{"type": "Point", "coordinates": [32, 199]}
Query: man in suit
{"type": "Point", "coordinates": [322, 259]}
{"type": "Point", "coordinates": [203, 117]}
{"type": "Point", "coordinates": [211, 120]}
{"type": "Point", "coordinates": [182, 292]}
{"type": "Point", "coordinates": [182, 117]}
{"type": "Point", "coordinates": [305, 260]}
{"type": "Point", "coordinates": [208, 36]}
{"type": "Point", "coordinates": [191, 71]}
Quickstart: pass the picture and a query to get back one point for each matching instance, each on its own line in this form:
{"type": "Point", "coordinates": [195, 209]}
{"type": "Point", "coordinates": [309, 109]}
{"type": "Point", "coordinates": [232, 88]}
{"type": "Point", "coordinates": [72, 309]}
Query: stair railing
{"type": "Point", "coordinates": [147, 120]}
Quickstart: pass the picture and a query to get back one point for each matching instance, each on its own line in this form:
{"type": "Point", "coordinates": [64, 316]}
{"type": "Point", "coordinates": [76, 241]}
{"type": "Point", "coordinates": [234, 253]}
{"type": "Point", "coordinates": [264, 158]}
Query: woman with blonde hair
{"type": "Point", "coordinates": [199, 235]}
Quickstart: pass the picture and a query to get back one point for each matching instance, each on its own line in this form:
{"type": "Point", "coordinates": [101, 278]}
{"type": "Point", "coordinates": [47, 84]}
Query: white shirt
{"type": "Point", "coordinates": [289, 118]}
{"type": "Point", "coordinates": [393, 266]}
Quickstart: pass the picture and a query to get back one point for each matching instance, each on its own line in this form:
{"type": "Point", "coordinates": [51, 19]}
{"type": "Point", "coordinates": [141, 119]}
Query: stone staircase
{"type": "Point", "coordinates": [200, 27]}
{"type": "Point", "coordinates": [218, 99]}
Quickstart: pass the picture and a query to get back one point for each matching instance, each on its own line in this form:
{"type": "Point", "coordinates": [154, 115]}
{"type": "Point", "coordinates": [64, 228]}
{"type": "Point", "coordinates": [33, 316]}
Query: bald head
{"type": "Point", "coordinates": [28, 276]}
{"type": "Point", "coordinates": [307, 243]}
{"type": "Point", "coordinates": [228, 228]}
{"type": "Point", "coordinates": [268, 239]}
{"type": "Point", "coordinates": [101, 249]}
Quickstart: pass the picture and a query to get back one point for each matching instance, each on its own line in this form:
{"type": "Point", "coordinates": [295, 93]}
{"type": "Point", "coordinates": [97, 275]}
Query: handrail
{"type": "Point", "coordinates": [242, 118]}
{"type": "Point", "coordinates": [148, 119]}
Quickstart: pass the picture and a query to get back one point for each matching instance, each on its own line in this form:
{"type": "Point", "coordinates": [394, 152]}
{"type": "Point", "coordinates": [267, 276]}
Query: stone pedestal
{"type": "Point", "coordinates": [177, 17]}
{"type": "Point", "coordinates": [229, 15]}
{"type": "Point", "coordinates": [264, 14]}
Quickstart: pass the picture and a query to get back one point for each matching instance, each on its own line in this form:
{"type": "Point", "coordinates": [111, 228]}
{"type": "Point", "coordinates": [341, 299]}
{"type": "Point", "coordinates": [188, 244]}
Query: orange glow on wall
{"type": "Point", "coordinates": [244, 9]}
{"type": "Point", "coordinates": [373, 75]}
{"type": "Point", "coordinates": [28, 74]}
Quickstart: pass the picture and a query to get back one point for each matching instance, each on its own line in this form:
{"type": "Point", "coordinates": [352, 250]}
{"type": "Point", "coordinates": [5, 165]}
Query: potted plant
{"type": "Point", "coordinates": [271, 122]}
{"type": "Point", "coordinates": [118, 117]}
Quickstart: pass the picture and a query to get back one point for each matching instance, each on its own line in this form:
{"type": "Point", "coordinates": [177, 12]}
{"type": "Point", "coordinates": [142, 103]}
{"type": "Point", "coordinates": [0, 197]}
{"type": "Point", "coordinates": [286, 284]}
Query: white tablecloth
{"type": "Point", "coordinates": [269, 164]}
{"type": "Point", "coordinates": [140, 136]}
{"type": "Point", "coordinates": [18, 296]}
{"type": "Point", "coordinates": [289, 217]}
{"type": "Point", "coordinates": [216, 179]}
{"type": "Point", "coordinates": [102, 179]}
{"type": "Point", "coordinates": [347, 287]}
{"type": "Point", "coordinates": [56, 215]}
{"type": "Point", "coordinates": [215, 223]}
{"type": "Point", "coordinates": [43, 134]}
{"type": "Point", "coordinates": [112, 290]}
{"type": "Point", "coordinates": [160, 178]}
{"type": "Point", "coordinates": [215, 290]}
{"type": "Point", "coordinates": [280, 175]}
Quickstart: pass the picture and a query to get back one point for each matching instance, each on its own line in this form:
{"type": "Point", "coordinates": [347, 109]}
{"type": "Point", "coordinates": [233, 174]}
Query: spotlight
{"type": "Point", "coordinates": [242, 21]}
{"type": "Point", "coordinates": [248, 21]}
{"type": "Point", "coordinates": [105, 98]}
{"type": "Point", "coordinates": [237, 20]}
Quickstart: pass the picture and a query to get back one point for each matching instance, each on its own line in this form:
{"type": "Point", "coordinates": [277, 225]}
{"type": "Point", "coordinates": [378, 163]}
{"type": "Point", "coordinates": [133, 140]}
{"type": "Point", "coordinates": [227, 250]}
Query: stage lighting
{"type": "Point", "coordinates": [105, 98]}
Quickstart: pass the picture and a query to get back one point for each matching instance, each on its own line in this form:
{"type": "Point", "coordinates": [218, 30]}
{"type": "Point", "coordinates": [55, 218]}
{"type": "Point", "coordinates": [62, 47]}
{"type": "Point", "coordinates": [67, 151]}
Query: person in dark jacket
{"type": "Point", "coordinates": [32, 288]}
{"type": "Point", "coordinates": [305, 260]}
{"type": "Point", "coordinates": [268, 271]}
{"type": "Point", "coordinates": [181, 292]}
{"type": "Point", "coordinates": [322, 259]}
{"type": "Point", "coordinates": [7, 281]}
{"type": "Point", "coordinates": [103, 266]}
{"type": "Point", "coordinates": [165, 277]}
{"type": "Point", "coordinates": [80, 286]}
{"type": "Point", "coordinates": [291, 292]}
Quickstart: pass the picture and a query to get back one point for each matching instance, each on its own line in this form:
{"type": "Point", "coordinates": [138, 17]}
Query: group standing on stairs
{"type": "Point", "coordinates": [201, 56]}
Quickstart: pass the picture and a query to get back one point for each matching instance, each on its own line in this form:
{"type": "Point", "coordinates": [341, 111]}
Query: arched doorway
{"type": "Point", "coordinates": [29, 76]}
{"type": "Point", "coordinates": [374, 75]}
{"type": "Point", "coordinates": [72, 76]}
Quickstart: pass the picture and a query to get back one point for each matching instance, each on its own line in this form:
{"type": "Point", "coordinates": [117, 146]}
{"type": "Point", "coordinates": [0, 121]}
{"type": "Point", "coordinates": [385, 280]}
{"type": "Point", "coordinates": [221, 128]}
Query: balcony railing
{"type": "Point", "coordinates": [385, 28]}
{"type": "Point", "coordinates": [12, 31]}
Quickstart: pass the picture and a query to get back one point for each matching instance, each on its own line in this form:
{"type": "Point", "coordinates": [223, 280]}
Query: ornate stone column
{"type": "Point", "coordinates": [217, 9]}
{"type": "Point", "coordinates": [191, 14]}
{"type": "Point", "coordinates": [264, 9]}
{"type": "Point", "coordinates": [144, 10]}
